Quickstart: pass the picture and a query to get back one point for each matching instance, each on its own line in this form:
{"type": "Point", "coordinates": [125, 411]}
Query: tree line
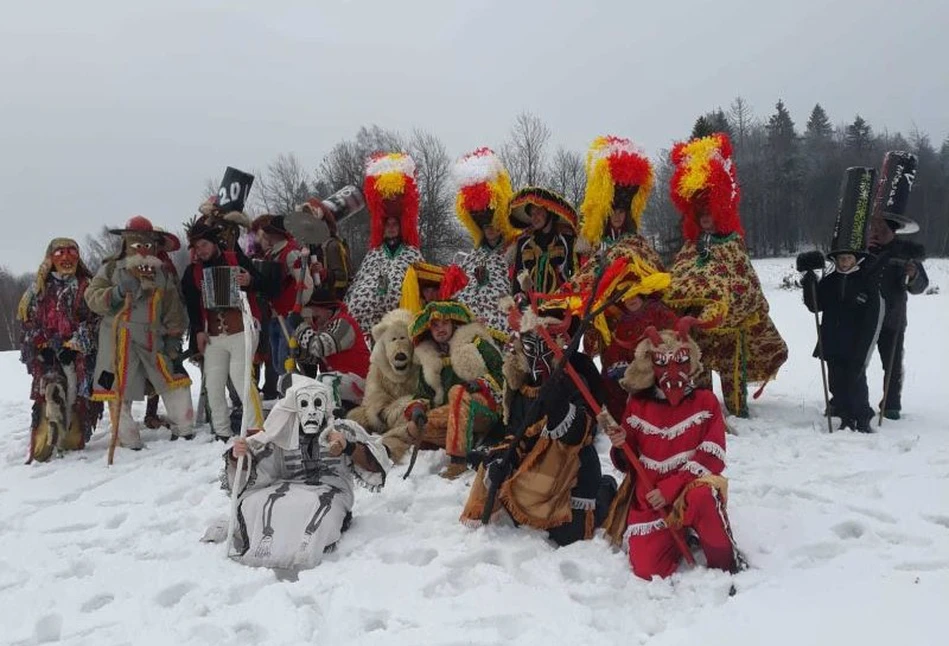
{"type": "Point", "coordinates": [789, 179]}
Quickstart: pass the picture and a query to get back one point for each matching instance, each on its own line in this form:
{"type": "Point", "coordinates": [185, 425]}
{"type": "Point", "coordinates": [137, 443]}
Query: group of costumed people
{"type": "Point", "coordinates": [490, 360]}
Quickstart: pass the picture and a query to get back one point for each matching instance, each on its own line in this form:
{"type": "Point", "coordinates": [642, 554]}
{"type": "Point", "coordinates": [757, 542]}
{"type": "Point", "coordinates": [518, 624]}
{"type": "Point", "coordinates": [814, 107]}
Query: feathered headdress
{"type": "Point", "coordinates": [613, 162]}
{"type": "Point", "coordinates": [448, 280]}
{"type": "Point", "coordinates": [391, 191]}
{"type": "Point", "coordinates": [446, 307]}
{"type": "Point", "coordinates": [705, 174]}
{"type": "Point", "coordinates": [624, 278]}
{"type": "Point", "coordinates": [552, 202]}
{"type": "Point", "coordinates": [483, 183]}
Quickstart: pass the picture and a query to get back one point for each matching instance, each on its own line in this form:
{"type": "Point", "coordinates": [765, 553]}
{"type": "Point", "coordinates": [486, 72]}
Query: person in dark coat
{"type": "Point", "coordinates": [850, 299]}
{"type": "Point", "coordinates": [901, 273]}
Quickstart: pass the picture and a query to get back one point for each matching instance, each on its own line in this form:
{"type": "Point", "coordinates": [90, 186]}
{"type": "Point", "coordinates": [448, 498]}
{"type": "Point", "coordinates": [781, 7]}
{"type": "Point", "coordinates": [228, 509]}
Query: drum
{"type": "Point", "coordinates": [220, 289]}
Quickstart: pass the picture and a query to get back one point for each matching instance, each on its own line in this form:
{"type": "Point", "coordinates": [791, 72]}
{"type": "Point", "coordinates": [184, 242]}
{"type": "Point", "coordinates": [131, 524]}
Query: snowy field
{"type": "Point", "coordinates": [848, 536]}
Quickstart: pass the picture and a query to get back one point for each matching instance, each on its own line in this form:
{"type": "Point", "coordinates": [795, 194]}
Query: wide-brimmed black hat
{"type": "Point", "coordinates": [545, 199]}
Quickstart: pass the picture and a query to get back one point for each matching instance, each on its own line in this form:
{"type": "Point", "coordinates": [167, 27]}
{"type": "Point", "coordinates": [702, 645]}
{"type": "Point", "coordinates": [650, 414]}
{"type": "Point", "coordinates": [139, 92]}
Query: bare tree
{"type": "Point", "coordinates": [525, 151]}
{"type": "Point", "coordinates": [345, 165]}
{"type": "Point", "coordinates": [95, 249]}
{"type": "Point", "coordinates": [12, 288]}
{"type": "Point", "coordinates": [283, 185]}
{"type": "Point", "coordinates": [567, 175]}
{"type": "Point", "coordinates": [438, 229]}
{"type": "Point", "coordinates": [741, 118]}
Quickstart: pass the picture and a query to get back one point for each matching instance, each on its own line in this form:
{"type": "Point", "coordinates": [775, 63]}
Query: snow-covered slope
{"type": "Point", "coordinates": [848, 535]}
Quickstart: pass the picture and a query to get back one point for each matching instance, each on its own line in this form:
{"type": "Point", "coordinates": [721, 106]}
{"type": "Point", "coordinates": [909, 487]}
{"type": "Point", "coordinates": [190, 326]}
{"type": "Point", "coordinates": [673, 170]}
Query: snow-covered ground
{"type": "Point", "coordinates": [848, 535]}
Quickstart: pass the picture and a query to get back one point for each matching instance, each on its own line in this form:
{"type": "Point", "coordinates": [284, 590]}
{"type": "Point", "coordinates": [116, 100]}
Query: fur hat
{"type": "Point", "coordinates": [553, 203]}
{"type": "Point", "coordinates": [201, 228]}
{"type": "Point", "coordinates": [391, 190]}
{"type": "Point", "coordinates": [315, 207]}
{"type": "Point", "coordinates": [613, 163]}
{"type": "Point", "coordinates": [705, 174]}
{"type": "Point", "coordinates": [483, 183]}
{"type": "Point", "coordinates": [640, 374]}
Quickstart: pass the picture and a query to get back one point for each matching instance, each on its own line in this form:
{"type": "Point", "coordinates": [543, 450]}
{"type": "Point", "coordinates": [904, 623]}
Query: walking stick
{"type": "Point", "coordinates": [628, 453]}
{"type": "Point", "coordinates": [290, 364]}
{"type": "Point", "coordinates": [119, 376]}
{"type": "Point", "coordinates": [820, 352]}
{"type": "Point", "coordinates": [891, 360]}
{"type": "Point", "coordinates": [248, 411]}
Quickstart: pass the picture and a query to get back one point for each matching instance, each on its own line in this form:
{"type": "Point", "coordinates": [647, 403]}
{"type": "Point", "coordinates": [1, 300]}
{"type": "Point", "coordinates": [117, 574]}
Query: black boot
{"type": "Point", "coordinates": [604, 499]}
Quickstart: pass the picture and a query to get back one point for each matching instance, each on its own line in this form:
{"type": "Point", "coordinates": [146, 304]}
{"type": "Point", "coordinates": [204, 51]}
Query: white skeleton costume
{"type": "Point", "coordinates": [297, 498]}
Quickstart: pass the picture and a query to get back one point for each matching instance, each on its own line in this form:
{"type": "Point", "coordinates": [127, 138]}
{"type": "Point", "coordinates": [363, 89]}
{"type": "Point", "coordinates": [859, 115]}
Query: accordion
{"type": "Point", "coordinates": [220, 289]}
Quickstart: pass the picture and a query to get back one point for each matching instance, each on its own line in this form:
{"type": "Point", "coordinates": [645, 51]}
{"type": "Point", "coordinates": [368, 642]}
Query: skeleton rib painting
{"type": "Point", "coordinates": [296, 494]}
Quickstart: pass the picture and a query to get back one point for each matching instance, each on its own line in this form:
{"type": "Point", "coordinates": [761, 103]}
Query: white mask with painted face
{"type": "Point", "coordinates": [314, 403]}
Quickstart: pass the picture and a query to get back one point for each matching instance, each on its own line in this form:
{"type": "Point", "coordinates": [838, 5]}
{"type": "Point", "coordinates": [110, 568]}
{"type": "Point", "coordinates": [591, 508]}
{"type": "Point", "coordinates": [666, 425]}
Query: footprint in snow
{"type": "Point", "coordinates": [922, 566]}
{"type": "Point", "coordinates": [419, 557]}
{"type": "Point", "coordinates": [849, 529]}
{"type": "Point", "coordinates": [69, 529]}
{"type": "Point", "coordinates": [942, 521]}
{"type": "Point", "coordinates": [175, 495]}
{"type": "Point", "coordinates": [172, 595]}
{"type": "Point", "coordinates": [96, 603]}
{"type": "Point", "coordinates": [116, 521]}
{"type": "Point", "coordinates": [373, 620]}
{"type": "Point", "coordinates": [813, 555]}
{"type": "Point", "coordinates": [247, 632]}
{"type": "Point", "coordinates": [49, 628]}
{"type": "Point", "coordinates": [77, 570]}
{"type": "Point", "coordinates": [571, 572]}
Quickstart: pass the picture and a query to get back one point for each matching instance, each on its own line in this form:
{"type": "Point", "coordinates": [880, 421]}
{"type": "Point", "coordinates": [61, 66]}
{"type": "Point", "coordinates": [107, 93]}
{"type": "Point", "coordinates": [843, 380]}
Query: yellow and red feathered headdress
{"type": "Point", "coordinates": [449, 280]}
{"type": "Point", "coordinates": [705, 175]}
{"type": "Point", "coordinates": [623, 278]}
{"type": "Point", "coordinates": [391, 191]}
{"type": "Point", "coordinates": [613, 162]}
{"type": "Point", "coordinates": [483, 183]}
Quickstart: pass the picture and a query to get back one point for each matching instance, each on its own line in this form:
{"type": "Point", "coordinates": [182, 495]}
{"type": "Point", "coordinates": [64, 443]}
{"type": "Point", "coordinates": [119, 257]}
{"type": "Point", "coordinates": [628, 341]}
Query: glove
{"type": "Point", "coordinates": [419, 417]}
{"type": "Point", "coordinates": [294, 320]}
{"type": "Point", "coordinates": [304, 334]}
{"type": "Point", "coordinates": [810, 261]}
{"type": "Point", "coordinates": [47, 356]}
{"type": "Point", "coordinates": [498, 471]}
{"type": "Point", "coordinates": [67, 356]}
{"type": "Point", "coordinates": [473, 386]}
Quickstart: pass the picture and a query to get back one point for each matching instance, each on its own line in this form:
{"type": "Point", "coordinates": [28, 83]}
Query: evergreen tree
{"type": "Point", "coordinates": [783, 201]}
{"type": "Point", "coordinates": [858, 136]}
{"type": "Point", "coordinates": [818, 126]}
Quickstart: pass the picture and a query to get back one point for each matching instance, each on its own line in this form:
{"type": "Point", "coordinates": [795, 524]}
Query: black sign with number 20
{"type": "Point", "coordinates": [235, 187]}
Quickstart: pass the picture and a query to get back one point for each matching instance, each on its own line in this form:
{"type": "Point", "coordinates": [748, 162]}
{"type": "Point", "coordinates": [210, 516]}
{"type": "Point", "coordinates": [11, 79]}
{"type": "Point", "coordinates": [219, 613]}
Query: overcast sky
{"type": "Point", "coordinates": [109, 109]}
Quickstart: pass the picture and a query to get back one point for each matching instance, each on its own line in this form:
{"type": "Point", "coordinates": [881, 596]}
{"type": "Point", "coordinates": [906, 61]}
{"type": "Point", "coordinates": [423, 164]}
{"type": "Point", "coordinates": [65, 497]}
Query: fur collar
{"type": "Point", "coordinates": [463, 355]}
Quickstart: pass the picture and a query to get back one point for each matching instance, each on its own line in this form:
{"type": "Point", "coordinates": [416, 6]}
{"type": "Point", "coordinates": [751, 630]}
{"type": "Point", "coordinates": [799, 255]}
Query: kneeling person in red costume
{"type": "Point", "coordinates": [678, 433]}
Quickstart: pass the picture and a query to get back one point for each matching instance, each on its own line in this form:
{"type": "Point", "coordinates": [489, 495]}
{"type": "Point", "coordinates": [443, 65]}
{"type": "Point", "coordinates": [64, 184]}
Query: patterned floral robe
{"type": "Point", "coordinates": [715, 281]}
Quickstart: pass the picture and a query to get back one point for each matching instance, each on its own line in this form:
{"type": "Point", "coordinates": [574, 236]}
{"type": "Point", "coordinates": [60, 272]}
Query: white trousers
{"type": "Point", "coordinates": [223, 357]}
{"type": "Point", "coordinates": [178, 407]}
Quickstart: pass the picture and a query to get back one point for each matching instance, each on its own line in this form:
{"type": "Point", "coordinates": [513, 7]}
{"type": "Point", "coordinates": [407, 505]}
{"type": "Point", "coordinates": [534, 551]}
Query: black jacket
{"type": "Point", "coordinates": [852, 309]}
{"type": "Point", "coordinates": [891, 272]}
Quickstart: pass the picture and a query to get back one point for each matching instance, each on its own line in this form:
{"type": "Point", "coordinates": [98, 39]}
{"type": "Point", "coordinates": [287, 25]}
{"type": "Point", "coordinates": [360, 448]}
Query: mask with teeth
{"type": "Point", "coordinates": [141, 258]}
{"type": "Point", "coordinates": [314, 404]}
{"type": "Point", "coordinates": [667, 360]}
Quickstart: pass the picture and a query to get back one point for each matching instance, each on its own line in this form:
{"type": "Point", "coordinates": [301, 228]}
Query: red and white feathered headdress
{"type": "Point", "coordinates": [391, 191]}
{"type": "Point", "coordinates": [483, 183]}
{"type": "Point", "coordinates": [705, 175]}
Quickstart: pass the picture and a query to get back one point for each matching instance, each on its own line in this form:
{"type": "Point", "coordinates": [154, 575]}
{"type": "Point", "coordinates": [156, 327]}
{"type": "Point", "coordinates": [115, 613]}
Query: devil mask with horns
{"type": "Point", "coordinates": [536, 358]}
{"type": "Point", "coordinates": [668, 361]}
